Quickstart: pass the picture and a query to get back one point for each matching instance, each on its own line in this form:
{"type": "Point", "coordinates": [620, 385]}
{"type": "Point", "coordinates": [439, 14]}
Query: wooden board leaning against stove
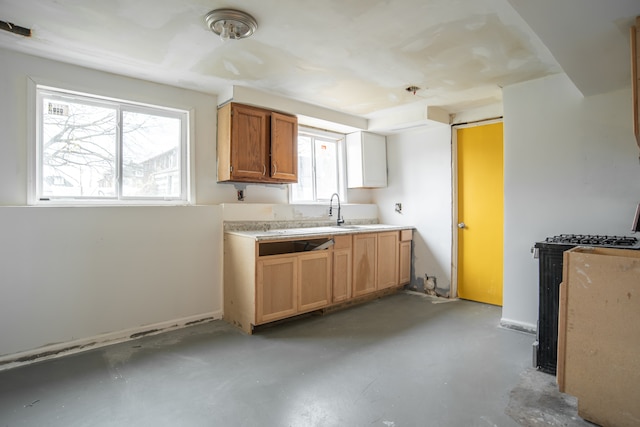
{"type": "Point", "coordinates": [599, 334]}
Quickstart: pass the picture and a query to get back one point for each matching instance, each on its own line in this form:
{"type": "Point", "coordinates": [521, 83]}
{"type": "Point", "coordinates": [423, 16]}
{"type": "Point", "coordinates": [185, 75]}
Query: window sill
{"type": "Point", "coordinates": [104, 203]}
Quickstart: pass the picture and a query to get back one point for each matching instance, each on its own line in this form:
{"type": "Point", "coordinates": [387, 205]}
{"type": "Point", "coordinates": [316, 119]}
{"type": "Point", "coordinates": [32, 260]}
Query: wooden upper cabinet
{"type": "Point", "coordinates": [249, 150]}
{"type": "Point", "coordinates": [256, 145]}
{"type": "Point", "coordinates": [284, 147]}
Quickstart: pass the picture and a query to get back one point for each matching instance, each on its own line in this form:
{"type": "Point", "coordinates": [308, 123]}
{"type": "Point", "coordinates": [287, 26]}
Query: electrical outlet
{"type": "Point", "coordinates": [399, 207]}
{"type": "Point", "coordinates": [240, 195]}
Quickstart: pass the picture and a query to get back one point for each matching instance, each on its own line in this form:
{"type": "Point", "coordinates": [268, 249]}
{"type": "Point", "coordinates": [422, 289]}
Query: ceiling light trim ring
{"type": "Point", "coordinates": [238, 24]}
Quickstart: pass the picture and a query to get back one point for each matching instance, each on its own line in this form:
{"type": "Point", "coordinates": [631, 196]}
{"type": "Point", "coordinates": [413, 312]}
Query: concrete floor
{"type": "Point", "coordinates": [404, 360]}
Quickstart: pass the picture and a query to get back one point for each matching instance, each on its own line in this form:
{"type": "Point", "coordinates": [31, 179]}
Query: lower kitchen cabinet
{"type": "Point", "coordinates": [375, 262]}
{"type": "Point", "coordinates": [276, 288]}
{"type": "Point", "coordinates": [365, 250]}
{"type": "Point", "coordinates": [314, 281]}
{"type": "Point", "coordinates": [404, 263]}
{"type": "Point", "coordinates": [342, 269]}
{"type": "Point", "coordinates": [273, 279]}
{"type": "Point", "coordinates": [387, 261]}
{"type": "Point", "coordinates": [290, 284]}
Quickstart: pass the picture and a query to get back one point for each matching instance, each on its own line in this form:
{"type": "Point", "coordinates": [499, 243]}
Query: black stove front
{"type": "Point", "coordinates": [550, 254]}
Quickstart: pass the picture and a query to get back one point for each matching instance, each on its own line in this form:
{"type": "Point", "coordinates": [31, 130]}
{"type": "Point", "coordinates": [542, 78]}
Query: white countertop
{"type": "Point", "coordinates": [308, 232]}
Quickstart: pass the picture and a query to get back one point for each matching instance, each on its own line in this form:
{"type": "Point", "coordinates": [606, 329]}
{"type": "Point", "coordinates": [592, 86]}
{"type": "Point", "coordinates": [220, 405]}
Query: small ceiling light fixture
{"type": "Point", "coordinates": [413, 89]}
{"type": "Point", "coordinates": [231, 23]}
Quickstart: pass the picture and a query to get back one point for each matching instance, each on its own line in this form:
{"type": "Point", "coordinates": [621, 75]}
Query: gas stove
{"type": "Point", "coordinates": [550, 252]}
{"type": "Point", "coordinates": [621, 242]}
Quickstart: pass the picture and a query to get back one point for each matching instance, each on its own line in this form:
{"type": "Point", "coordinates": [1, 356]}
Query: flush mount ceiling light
{"type": "Point", "coordinates": [412, 89]}
{"type": "Point", "coordinates": [231, 23]}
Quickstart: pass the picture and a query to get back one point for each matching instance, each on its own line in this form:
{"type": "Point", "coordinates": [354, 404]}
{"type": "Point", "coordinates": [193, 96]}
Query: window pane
{"type": "Point", "coordinates": [326, 169]}
{"type": "Point", "coordinates": [150, 155]}
{"type": "Point", "coordinates": [303, 190]}
{"type": "Point", "coordinates": [78, 150]}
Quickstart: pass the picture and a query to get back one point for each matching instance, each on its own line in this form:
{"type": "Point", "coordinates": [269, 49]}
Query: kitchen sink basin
{"type": "Point", "coordinates": [321, 230]}
{"type": "Point", "coordinates": [361, 227]}
{"type": "Point", "coordinates": [308, 230]}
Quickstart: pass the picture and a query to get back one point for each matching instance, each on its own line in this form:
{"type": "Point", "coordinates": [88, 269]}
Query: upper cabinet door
{"type": "Point", "coordinates": [366, 160]}
{"type": "Point", "coordinates": [249, 142]}
{"type": "Point", "coordinates": [284, 148]}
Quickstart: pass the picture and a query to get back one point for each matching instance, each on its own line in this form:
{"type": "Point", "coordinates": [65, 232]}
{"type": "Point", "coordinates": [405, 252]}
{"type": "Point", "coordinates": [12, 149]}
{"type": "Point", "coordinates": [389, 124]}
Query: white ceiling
{"type": "Point", "coordinates": [353, 56]}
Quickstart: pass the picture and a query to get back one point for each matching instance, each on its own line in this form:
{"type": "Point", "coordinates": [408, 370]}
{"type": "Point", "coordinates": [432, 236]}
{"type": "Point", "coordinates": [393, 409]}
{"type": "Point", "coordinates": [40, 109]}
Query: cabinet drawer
{"type": "Point", "coordinates": [342, 242]}
{"type": "Point", "coordinates": [406, 235]}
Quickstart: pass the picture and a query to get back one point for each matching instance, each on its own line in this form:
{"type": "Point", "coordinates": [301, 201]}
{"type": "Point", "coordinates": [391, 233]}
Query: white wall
{"type": "Point", "coordinates": [571, 166]}
{"type": "Point", "coordinates": [78, 275]}
{"type": "Point", "coordinates": [17, 69]}
{"type": "Point", "coordinates": [75, 275]}
{"type": "Point", "coordinates": [419, 177]}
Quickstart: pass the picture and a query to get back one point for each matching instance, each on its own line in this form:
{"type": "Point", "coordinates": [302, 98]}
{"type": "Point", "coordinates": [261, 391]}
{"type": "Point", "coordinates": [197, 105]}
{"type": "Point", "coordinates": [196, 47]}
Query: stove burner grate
{"type": "Point", "coordinates": [593, 240]}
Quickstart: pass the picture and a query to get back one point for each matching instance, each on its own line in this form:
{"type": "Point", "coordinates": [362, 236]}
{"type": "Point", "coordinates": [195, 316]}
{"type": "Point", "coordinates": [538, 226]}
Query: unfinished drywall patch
{"type": "Point", "coordinates": [354, 58]}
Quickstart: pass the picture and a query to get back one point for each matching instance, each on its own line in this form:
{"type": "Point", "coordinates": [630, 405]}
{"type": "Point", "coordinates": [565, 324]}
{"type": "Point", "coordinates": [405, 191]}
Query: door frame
{"type": "Point", "coordinates": [453, 291]}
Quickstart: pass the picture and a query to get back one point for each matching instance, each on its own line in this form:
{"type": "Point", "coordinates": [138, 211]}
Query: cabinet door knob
{"type": "Point", "coordinates": [462, 225]}
{"type": "Point", "coordinates": [275, 168]}
{"type": "Point", "coordinates": [264, 170]}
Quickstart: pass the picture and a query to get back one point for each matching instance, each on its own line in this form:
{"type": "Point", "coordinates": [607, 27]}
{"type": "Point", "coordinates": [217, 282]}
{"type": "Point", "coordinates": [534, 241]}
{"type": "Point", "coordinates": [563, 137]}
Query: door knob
{"type": "Point", "coordinates": [461, 225]}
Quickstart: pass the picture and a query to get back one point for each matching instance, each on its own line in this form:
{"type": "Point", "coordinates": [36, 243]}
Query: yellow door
{"type": "Point", "coordinates": [480, 213]}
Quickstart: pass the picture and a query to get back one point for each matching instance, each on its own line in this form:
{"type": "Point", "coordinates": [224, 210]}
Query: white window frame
{"type": "Point", "coordinates": [36, 94]}
{"type": "Point", "coordinates": [342, 172]}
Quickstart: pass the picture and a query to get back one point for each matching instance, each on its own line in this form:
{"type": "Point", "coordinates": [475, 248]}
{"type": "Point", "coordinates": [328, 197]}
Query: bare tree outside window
{"type": "Point", "coordinates": [150, 156]}
{"type": "Point", "coordinates": [105, 150]}
{"type": "Point", "coordinates": [78, 150]}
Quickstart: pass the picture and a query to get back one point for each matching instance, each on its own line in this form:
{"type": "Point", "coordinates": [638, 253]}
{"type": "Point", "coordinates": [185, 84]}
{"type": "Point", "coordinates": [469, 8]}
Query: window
{"type": "Point", "coordinates": [95, 149]}
{"type": "Point", "coordinates": [320, 166]}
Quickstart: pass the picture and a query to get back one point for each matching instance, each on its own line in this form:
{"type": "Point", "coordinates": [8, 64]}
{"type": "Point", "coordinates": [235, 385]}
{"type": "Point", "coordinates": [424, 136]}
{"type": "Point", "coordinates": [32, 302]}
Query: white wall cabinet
{"type": "Point", "coordinates": [366, 160]}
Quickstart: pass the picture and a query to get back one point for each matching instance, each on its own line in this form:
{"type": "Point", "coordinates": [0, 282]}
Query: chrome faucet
{"type": "Point", "coordinates": [340, 221]}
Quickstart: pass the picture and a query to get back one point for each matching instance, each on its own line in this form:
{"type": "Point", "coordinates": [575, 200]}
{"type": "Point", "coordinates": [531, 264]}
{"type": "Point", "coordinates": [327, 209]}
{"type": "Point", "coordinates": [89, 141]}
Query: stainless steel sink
{"type": "Point", "coordinates": [301, 231]}
{"type": "Point", "coordinates": [362, 227]}
{"type": "Point", "coordinates": [322, 230]}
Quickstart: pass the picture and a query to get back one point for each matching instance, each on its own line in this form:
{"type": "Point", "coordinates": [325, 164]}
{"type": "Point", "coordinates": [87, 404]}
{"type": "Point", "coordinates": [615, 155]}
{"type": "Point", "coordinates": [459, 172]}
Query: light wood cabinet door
{"type": "Point", "coordinates": [387, 274]}
{"type": "Point", "coordinates": [276, 286]}
{"type": "Point", "coordinates": [405, 263]}
{"type": "Point", "coordinates": [249, 142]}
{"type": "Point", "coordinates": [406, 236]}
{"type": "Point", "coordinates": [314, 280]}
{"type": "Point", "coordinates": [342, 274]}
{"type": "Point", "coordinates": [284, 148]}
{"type": "Point", "coordinates": [364, 263]}
{"type": "Point", "coordinates": [342, 268]}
